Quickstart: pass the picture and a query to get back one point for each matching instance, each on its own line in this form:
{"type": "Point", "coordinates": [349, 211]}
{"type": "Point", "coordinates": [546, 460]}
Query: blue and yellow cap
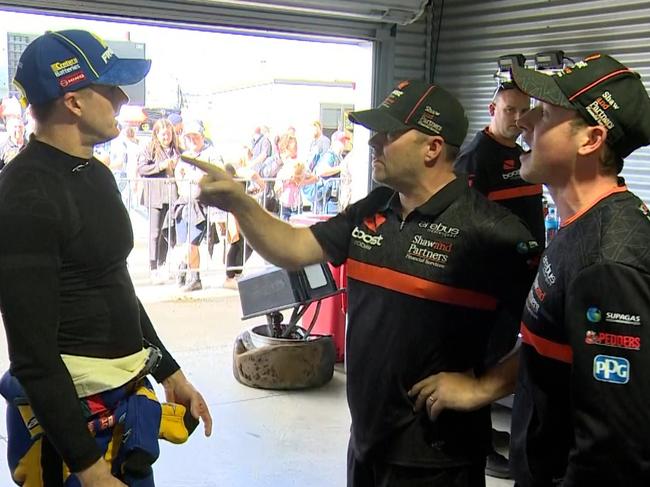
{"type": "Point", "coordinates": [68, 60]}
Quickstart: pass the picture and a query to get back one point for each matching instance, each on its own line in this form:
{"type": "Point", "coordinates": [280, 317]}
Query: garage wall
{"type": "Point", "coordinates": [474, 33]}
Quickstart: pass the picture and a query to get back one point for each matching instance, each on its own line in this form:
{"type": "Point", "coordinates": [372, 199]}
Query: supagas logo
{"type": "Point", "coordinates": [594, 315]}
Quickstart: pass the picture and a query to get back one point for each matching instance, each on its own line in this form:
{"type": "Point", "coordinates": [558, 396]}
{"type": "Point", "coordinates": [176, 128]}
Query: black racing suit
{"type": "Point", "coordinates": [64, 285]}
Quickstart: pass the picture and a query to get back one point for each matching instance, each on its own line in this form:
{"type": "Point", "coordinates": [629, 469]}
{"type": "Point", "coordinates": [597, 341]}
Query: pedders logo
{"type": "Point", "coordinates": [366, 240]}
{"type": "Point", "coordinates": [612, 340]}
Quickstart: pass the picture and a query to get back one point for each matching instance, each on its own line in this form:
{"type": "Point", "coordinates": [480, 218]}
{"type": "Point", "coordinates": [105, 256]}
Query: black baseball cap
{"type": "Point", "coordinates": [418, 105]}
{"type": "Point", "coordinates": [603, 91]}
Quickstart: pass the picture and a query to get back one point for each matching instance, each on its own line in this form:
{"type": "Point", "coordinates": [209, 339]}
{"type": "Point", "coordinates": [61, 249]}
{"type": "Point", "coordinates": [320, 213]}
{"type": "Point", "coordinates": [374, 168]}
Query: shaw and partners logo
{"type": "Point", "coordinates": [615, 370]}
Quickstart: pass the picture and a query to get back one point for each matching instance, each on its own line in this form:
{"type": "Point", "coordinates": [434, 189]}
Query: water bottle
{"type": "Point", "coordinates": [551, 223]}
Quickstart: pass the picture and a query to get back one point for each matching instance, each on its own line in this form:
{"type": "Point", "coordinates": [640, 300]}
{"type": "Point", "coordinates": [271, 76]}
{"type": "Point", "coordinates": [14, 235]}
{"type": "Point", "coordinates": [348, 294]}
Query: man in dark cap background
{"type": "Point", "coordinates": [80, 341]}
{"type": "Point", "coordinates": [422, 295]}
{"type": "Point", "coordinates": [580, 413]}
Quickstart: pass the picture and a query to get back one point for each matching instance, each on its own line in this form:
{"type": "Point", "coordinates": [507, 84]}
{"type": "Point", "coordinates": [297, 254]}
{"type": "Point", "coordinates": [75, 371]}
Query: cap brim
{"type": "Point", "coordinates": [540, 85]}
{"type": "Point", "coordinates": [377, 120]}
{"type": "Point", "coordinates": [125, 72]}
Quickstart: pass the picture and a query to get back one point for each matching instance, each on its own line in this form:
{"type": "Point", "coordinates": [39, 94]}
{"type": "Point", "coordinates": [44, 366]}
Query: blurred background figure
{"type": "Point", "coordinates": [319, 144]}
{"type": "Point", "coordinates": [15, 140]}
{"type": "Point", "coordinates": [239, 251]}
{"type": "Point", "coordinates": [327, 170]}
{"type": "Point", "coordinates": [177, 122]}
{"type": "Point", "coordinates": [290, 178]}
{"type": "Point", "coordinates": [156, 163]}
{"type": "Point", "coordinates": [190, 216]}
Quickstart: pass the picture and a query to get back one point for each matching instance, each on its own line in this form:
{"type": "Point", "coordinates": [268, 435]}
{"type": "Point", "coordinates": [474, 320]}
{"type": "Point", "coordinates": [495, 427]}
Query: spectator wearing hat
{"type": "Point", "coordinates": [80, 342]}
{"type": "Point", "coordinates": [190, 215]}
{"type": "Point", "coordinates": [15, 141]}
{"type": "Point", "coordinates": [431, 264]}
{"type": "Point", "coordinates": [580, 411]}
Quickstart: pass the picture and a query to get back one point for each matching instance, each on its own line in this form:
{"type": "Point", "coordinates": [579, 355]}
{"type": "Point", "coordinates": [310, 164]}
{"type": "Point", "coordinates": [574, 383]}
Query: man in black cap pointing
{"type": "Point", "coordinates": [431, 263]}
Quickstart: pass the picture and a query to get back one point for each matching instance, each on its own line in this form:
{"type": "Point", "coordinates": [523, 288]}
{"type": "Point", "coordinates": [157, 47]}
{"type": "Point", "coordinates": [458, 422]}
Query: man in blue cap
{"type": "Point", "coordinates": [80, 341]}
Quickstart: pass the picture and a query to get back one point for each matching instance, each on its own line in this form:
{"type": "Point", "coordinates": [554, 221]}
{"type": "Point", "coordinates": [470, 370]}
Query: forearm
{"type": "Point", "coordinates": [276, 241]}
{"type": "Point", "coordinates": [498, 381]}
{"type": "Point", "coordinates": [167, 365]}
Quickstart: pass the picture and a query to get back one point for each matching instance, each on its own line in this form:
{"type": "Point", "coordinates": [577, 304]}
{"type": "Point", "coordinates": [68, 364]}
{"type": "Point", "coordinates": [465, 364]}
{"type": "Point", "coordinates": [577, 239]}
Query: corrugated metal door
{"type": "Point", "coordinates": [401, 50]}
{"type": "Point", "coordinates": [474, 33]}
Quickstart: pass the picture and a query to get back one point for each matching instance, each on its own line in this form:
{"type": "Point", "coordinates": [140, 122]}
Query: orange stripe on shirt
{"type": "Point", "coordinates": [418, 287]}
{"type": "Point", "coordinates": [506, 194]}
{"type": "Point", "coordinates": [589, 206]}
{"type": "Point", "coordinates": [546, 347]}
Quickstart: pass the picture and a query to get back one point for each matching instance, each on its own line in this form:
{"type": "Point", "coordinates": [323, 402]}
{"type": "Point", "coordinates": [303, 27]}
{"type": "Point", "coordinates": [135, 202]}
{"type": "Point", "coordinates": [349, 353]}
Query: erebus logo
{"type": "Point", "coordinates": [547, 271]}
{"type": "Point", "coordinates": [441, 229]}
{"type": "Point", "coordinates": [366, 238]}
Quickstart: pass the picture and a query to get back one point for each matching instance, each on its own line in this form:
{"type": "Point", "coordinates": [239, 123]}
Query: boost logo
{"type": "Point", "coordinates": [366, 238]}
{"type": "Point", "coordinates": [615, 370]}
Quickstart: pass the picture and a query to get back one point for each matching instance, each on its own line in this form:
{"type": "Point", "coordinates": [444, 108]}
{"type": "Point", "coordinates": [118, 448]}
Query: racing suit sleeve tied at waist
{"type": "Point", "coordinates": [126, 422]}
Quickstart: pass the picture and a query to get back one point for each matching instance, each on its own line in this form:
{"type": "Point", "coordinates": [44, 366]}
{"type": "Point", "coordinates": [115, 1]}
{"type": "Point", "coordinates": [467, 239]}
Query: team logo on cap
{"type": "Point", "coordinates": [598, 107]}
{"type": "Point", "coordinates": [392, 98]}
{"type": "Point", "coordinates": [72, 79]}
{"type": "Point", "coordinates": [108, 52]}
{"type": "Point", "coordinates": [62, 68]}
{"type": "Point", "coordinates": [427, 120]}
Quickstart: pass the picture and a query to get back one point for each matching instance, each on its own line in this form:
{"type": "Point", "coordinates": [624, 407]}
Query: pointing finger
{"type": "Point", "coordinates": [214, 171]}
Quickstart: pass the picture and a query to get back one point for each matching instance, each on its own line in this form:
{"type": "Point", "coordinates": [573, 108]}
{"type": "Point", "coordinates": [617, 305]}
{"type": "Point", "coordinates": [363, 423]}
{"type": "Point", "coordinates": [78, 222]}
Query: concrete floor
{"type": "Point", "coordinates": [260, 438]}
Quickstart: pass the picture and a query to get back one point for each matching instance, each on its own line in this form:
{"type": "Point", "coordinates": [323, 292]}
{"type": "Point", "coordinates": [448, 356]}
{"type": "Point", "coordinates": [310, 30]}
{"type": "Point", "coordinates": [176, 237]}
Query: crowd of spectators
{"type": "Point", "coordinates": [285, 178]}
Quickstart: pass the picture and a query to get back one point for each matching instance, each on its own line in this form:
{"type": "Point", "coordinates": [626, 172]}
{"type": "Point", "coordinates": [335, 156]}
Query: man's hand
{"type": "Point", "coordinates": [98, 475]}
{"type": "Point", "coordinates": [218, 188]}
{"type": "Point", "coordinates": [446, 390]}
{"type": "Point", "coordinates": [179, 390]}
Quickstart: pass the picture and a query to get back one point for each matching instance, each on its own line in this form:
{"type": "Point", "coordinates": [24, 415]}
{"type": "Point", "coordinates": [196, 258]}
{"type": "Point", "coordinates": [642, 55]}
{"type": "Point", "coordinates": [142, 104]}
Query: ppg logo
{"type": "Point", "coordinates": [611, 369]}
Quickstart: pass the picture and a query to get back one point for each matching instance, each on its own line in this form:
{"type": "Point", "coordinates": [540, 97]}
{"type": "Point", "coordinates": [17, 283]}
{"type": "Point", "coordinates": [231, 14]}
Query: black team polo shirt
{"type": "Point", "coordinates": [580, 416]}
{"type": "Point", "coordinates": [423, 294]}
{"type": "Point", "coordinates": [494, 170]}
